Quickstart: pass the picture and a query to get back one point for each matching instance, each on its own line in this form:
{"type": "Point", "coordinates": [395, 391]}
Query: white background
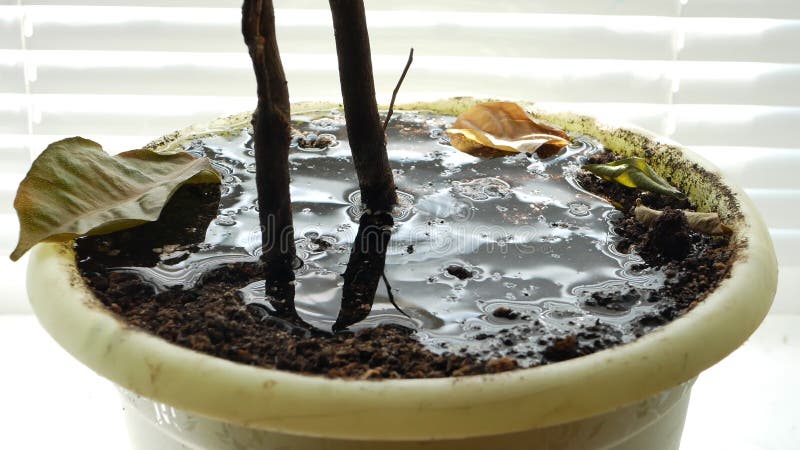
{"type": "Point", "coordinates": [722, 76]}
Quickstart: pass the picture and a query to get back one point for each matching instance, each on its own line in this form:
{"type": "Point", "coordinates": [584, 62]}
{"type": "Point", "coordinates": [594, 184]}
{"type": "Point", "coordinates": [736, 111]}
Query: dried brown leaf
{"type": "Point", "coordinates": [74, 188]}
{"type": "Point", "coordinates": [501, 128]}
{"type": "Point", "coordinates": [705, 223]}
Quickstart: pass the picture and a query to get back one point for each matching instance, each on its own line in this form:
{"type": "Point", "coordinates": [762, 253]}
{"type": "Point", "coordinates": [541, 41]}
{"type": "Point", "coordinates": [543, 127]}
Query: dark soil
{"type": "Point", "coordinates": [213, 319]}
{"type": "Point", "coordinates": [694, 263]}
{"type": "Point", "coordinates": [167, 239]}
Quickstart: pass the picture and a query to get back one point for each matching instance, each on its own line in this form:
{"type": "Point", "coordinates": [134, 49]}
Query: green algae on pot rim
{"type": "Point", "coordinates": [445, 408]}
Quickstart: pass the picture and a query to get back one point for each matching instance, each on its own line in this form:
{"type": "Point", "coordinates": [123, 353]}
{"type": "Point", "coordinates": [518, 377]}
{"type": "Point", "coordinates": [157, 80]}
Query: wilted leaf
{"type": "Point", "coordinates": [74, 188]}
{"type": "Point", "coordinates": [500, 128]}
{"type": "Point", "coordinates": [635, 173]}
{"type": "Point", "coordinates": [705, 223]}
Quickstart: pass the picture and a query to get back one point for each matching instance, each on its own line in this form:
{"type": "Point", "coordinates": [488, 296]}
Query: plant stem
{"type": "Point", "coordinates": [397, 89]}
{"type": "Point", "coordinates": [364, 268]}
{"type": "Point", "coordinates": [364, 130]}
{"type": "Point", "coordinates": [272, 135]}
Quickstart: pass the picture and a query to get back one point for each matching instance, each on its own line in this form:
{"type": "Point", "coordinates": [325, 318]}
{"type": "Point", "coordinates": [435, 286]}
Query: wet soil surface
{"type": "Point", "coordinates": [184, 279]}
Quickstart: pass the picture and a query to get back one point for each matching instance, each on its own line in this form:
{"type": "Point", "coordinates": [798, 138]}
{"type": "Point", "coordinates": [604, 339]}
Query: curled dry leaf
{"type": "Point", "coordinates": [499, 128]}
{"type": "Point", "coordinates": [705, 223]}
{"type": "Point", "coordinates": [74, 188]}
{"type": "Point", "coordinates": [635, 173]}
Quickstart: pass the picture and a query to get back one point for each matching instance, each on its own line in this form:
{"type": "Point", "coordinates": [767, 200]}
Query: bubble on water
{"type": "Point", "coordinates": [329, 139]}
{"type": "Point", "coordinates": [503, 241]}
{"type": "Point", "coordinates": [578, 209]}
{"type": "Point", "coordinates": [450, 172]}
{"type": "Point", "coordinates": [225, 221]}
{"type": "Point", "coordinates": [482, 189]}
{"type": "Point", "coordinates": [312, 244]}
{"type": "Point", "coordinates": [324, 124]}
{"type": "Point", "coordinates": [538, 170]}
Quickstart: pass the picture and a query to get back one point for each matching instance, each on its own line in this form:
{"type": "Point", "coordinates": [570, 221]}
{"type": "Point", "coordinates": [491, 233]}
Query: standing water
{"type": "Point", "coordinates": [482, 250]}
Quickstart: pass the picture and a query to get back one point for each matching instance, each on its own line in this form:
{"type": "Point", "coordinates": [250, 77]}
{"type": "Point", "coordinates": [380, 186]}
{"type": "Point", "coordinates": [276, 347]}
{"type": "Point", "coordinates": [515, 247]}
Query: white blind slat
{"type": "Point", "coordinates": [693, 8]}
{"type": "Point", "coordinates": [781, 9]}
{"type": "Point", "coordinates": [12, 77]}
{"type": "Point", "coordinates": [128, 114]}
{"type": "Point", "coordinates": [756, 167]}
{"type": "Point", "coordinates": [787, 246]}
{"type": "Point", "coordinates": [231, 74]}
{"type": "Point", "coordinates": [736, 125]}
{"type": "Point", "coordinates": [13, 114]}
{"type": "Point", "coordinates": [774, 203]}
{"type": "Point", "coordinates": [740, 83]}
{"type": "Point", "coordinates": [727, 39]}
{"type": "Point", "coordinates": [581, 36]}
{"type": "Point", "coordinates": [570, 80]}
{"type": "Point", "coordinates": [15, 154]}
{"type": "Point", "coordinates": [639, 7]}
{"type": "Point", "coordinates": [310, 31]}
{"type": "Point", "coordinates": [10, 23]}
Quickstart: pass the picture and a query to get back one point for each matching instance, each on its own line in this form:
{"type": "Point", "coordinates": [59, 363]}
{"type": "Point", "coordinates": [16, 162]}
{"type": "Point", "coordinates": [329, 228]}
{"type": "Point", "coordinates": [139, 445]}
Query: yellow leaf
{"type": "Point", "coordinates": [633, 173]}
{"type": "Point", "coordinates": [501, 128]}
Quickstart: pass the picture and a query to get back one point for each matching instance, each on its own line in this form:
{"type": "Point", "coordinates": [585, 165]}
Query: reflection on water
{"type": "Point", "coordinates": [531, 239]}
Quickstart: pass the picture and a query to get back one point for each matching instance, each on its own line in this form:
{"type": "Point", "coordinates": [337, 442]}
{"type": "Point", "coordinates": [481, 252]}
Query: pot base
{"type": "Point", "coordinates": [655, 423]}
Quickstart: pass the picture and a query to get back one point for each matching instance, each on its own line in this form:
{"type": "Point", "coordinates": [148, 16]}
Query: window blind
{"type": "Point", "coordinates": [721, 76]}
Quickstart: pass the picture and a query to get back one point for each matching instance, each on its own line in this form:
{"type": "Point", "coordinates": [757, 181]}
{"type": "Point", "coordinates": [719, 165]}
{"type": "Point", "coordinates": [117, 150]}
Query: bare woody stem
{"type": "Point", "coordinates": [397, 89]}
{"type": "Point", "coordinates": [272, 135]}
{"type": "Point", "coordinates": [364, 268]}
{"type": "Point", "coordinates": [364, 129]}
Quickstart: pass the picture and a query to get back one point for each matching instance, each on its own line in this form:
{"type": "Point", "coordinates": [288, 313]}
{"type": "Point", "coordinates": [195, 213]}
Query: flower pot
{"type": "Point", "coordinates": [629, 397]}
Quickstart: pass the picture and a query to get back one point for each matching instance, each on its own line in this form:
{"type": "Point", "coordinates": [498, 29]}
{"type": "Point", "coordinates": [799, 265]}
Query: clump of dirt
{"type": "Point", "coordinates": [459, 272]}
{"type": "Point", "coordinates": [505, 313]}
{"type": "Point", "coordinates": [669, 236]}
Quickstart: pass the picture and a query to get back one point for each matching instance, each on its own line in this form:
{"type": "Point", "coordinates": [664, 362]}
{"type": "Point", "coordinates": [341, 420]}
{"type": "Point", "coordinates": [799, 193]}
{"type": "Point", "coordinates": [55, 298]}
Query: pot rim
{"type": "Point", "coordinates": [429, 408]}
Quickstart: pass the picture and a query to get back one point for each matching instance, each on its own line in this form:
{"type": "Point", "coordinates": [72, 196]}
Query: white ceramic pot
{"type": "Point", "coordinates": [633, 396]}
